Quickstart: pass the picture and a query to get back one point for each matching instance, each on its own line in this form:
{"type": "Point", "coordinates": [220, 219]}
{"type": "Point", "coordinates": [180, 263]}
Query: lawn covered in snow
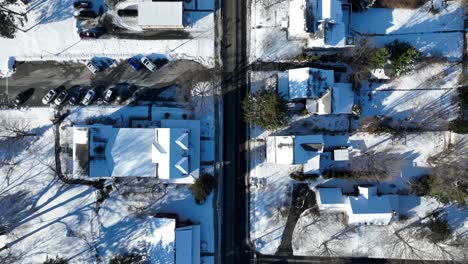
{"type": "Point", "coordinates": [425, 97]}
{"type": "Point", "coordinates": [42, 216]}
{"type": "Point", "coordinates": [433, 34]}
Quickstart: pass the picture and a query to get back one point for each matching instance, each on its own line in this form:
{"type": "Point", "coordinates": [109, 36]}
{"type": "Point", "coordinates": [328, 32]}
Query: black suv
{"type": "Point", "coordinates": [22, 97]}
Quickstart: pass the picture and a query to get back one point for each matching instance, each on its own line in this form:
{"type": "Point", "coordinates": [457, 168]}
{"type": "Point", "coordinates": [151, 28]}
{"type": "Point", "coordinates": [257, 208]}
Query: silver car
{"type": "Point", "coordinates": [88, 97]}
{"type": "Point", "coordinates": [148, 64]}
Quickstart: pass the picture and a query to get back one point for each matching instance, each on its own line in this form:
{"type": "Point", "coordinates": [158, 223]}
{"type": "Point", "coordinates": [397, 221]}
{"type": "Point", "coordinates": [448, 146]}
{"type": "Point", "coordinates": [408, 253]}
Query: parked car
{"type": "Point", "coordinates": [85, 14]}
{"type": "Point", "coordinates": [61, 98]}
{"type": "Point", "coordinates": [148, 64]}
{"type": "Point", "coordinates": [109, 94]}
{"type": "Point", "coordinates": [23, 96]}
{"type": "Point", "coordinates": [89, 97]}
{"type": "Point", "coordinates": [82, 4]}
{"type": "Point", "coordinates": [52, 94]}
{"type": "Point", "coordinates": [127, 12]}
{"type": "Point", "coordinates": [92, 67]}
{"type": "Point", "coordinates": [93, 33]}
{"type": "Point", "coordinates": [125, 92]}
{"type": "Point", "coordinates": [74, 94]}
{"type": "Point", "coordinates": [138, 94]}
{"type": "Point", "coordinates": [134, 63]}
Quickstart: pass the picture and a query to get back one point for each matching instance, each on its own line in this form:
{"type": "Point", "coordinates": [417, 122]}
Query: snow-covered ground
{"type": "Point", "coordinates": [419, 27]}
{"type": "Point", "coordinates": [425, 97]}
{"type": "Point", "coordinates": [271, 189]}
{"type": "Point", "coordinates": [268, 42]}
{"type": "Point", "coordinates": [50, 218]}
{"type": "Point", "coordinates": [51, 34]}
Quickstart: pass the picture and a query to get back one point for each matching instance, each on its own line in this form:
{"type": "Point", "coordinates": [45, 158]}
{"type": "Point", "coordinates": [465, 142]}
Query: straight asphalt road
{"type": "Point", "coordinates": [234, 216]}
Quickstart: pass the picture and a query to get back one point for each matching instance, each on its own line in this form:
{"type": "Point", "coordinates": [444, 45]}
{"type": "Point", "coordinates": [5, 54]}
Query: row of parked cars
{"type": "Point", "coordinates": [76, 94]}
{"type": "Point", "coordinates": [135, 63]}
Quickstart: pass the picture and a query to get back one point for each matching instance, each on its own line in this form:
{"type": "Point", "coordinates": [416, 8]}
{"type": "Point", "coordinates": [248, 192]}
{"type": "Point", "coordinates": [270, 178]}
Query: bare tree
{"type": "Point", "coordinates": [377, 165]}
{"type": "Point", "coordinates": [15, 128]}
{"type": "Point", "coordinates": [14, 208]}
{"type": "Point", "coordinates": [448, 181]}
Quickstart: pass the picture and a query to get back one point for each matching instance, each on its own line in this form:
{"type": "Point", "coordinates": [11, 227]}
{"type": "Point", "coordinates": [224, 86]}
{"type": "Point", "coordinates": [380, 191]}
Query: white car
{"type": "Point", "coordinates": [88, 97]}
{"type": "Point", "coordinates": [92, 67]}
{"type": "Point", "coordinates": [148, 64]}
{"type": "Point", "coordinates": [49, 97]}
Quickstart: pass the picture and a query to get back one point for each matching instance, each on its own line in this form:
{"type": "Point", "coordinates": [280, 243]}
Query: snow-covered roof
{"type": "Point", "coordinates": [121, 152]}
{"type": "Point", "coordinates": [312, 166]}
{"type": "Point", "coordinates": [341, 154]}
{"type": "Point", "coordinates": [296, 150]}
{"type": "Point", "coordinates": [188, 245]}
{"type": "Point", "coordinates": [80, 151]}
{"type": "Point", "coordinates": [373, 205]}
{"type": "Point", "coordinates": [306, 147]}
{"type": "Point", "coordinates": [343, 98]}
{"type": "Point", "coordinates": [280, 149]}
{"type": "Point", "coordinates": [309, 82]}
{"type": "Point", "coordinates": [321, 22]}
{"type": "Point", "coordinates": [321, 106]}
{"type": "Point", "coordinates": [365, 208]}
{"type": "Point", "coordinates": [160, 14]}
{"type": "Point", "coordinates": [171, 153]}
{"type": "Point", "coordinates": [331, 196]}
{"type": "Point", "coordinates": [184, 165]}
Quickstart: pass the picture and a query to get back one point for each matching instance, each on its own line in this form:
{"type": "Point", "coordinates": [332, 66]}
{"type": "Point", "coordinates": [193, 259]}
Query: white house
{"type": "Point", "coordinates": [322, 23]}
{"type": "Point", "coordinates": [323, 96]}
{"type": "Point", "coordinates": [303, 150]}
{"type": "Point", "coordinates": [160, 14]}
{"type": "Point", "coordinates": [366, 208]}
{"type": "Point", "coordinates": [170, 152]}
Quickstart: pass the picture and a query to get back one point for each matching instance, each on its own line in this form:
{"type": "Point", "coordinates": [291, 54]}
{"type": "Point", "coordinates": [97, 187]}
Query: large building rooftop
{"type": "Point", "coordinates": [170, 153]}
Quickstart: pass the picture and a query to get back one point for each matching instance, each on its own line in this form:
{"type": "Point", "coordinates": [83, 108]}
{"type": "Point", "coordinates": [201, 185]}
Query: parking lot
{"type": "Point", "coordinates": [43, 76]}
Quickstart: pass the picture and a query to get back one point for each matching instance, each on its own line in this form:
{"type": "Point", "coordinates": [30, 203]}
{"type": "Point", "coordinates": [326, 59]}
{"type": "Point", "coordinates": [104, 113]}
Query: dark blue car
{"type": "Point", "coordinates": [134, 63]}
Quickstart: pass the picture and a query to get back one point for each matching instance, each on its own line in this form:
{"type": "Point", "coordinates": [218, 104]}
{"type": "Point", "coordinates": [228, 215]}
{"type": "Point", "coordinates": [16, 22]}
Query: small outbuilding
{"type": "Point", "coordinates": [160, 14]}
